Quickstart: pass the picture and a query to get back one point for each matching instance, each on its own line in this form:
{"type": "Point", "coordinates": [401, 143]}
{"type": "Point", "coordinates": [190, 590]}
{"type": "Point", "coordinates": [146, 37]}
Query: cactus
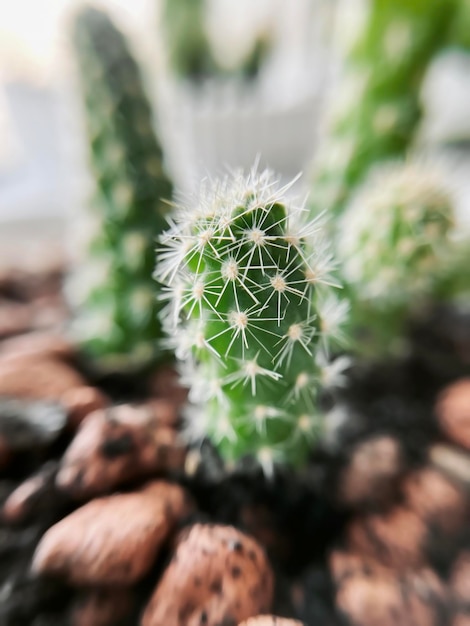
{"type": "Point", "coordinates": [113, 293]}
{"type": "Point", "coordinates": [379, 108]}
{"type": "Point", "coordinates": [396, 244]}
{"type": "Point", "coordinates": [252, 311]}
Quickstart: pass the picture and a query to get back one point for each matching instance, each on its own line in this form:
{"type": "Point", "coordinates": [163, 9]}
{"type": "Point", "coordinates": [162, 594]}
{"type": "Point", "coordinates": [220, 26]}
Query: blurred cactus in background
{"type": "Point", "coordinates": [252, 313]}
{"type": "Point", "coordinates": [113, 292]}
{"type": "Point", "coordinates": [378, 108]}
{"type": "Point", "coordinates": [190, 49]}
{"type": "Point", "coordinates": [399, 252]}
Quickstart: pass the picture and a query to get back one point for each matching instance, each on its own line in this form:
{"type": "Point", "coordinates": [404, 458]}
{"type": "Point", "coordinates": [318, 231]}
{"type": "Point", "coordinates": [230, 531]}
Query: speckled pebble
{"type": "Point", "coordinates": [81, 401]}
{"type": "Point", "coordinates": [217, 575]}
{"type": "Point", "coordinates": [371, 476]}
{"type": "Point", "coordinates": [395, 539]}
{"type": "Point", "coordinates": [436, 500]}
{"type": "Point", "coordinates": [270, 620]}
{"type": "Point", "coordinates": [453, 412]}
{"type": "Point", "coordinates": [102, 607]}
{"type": "Point", "coordinates": [459, 582]}
{"type": "Point", "coordinates": [114, 446]}
{"type": "Point", "coordinates": [112, 540]}
{"type": "Point", "coordinates": [415, 599]}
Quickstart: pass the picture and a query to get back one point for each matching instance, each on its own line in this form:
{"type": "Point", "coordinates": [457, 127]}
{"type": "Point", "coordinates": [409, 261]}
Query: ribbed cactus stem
{"type": "Point", "coordinates": [377, 109]}
{"type": "Point", "coordinates": [112, 291]}
{"type": "Point", "coordinates": [396, 244]}
{"type": "Point", "coordinates": [252, 311]}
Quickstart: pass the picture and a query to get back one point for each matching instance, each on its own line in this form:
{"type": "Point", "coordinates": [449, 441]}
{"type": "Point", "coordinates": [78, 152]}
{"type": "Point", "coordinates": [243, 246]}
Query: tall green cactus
{"type": "Point", "coordinates": [378, 107]}
{"type": "Point", "coordinates": [113, 292]}
{"type": "Point", "coordinates": [397, 245]}
{"type": "Point", "coordinates": [252, 311]}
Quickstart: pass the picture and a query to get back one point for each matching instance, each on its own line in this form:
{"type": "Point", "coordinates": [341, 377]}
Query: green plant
{"type": "Point", "coordinates": [252, 312]}
{"type": "Point", "coordinates": [378, 105]}
{"type": "Point", "coordinates": [397, 248]}
{"type": "Point", "coordinates": [112, 292]}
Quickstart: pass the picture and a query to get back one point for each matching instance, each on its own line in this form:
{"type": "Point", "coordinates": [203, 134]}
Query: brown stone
{"type": "Point", "coordinates": [115, 446]}
{"type": "Point", "coordinates": [453, 412]}
{"type": "Point", "coordinates": [371, 476]}
{"type": "Point", "coordinates": [395, 539]}
{"type": "Point", "coordinates": [104, 607]}
{"type": "Point", "coordinates": [270, 620]}
{"type": "Point", "coordinates": [459, 582]}
{"type": "Point", "coordinates": [387, 600]}
{"type": "Point", "coordinates": [436, 500]}
{"type": "Point", "coordinates": [344, 565]}
{"type": "Point", "coordinates": [81, 401]}
{"type": "Point", "coordinates": [40, 379]}
{"type": "Point", "coordinates": [38, 344]}
{"type": "Point", "coordinates": [452, 461]}
{"type": "Point", "coordinates": [165, 383]}
{"type": "Point", "coordinates": [217, 575]}
{"type": "Point", "coordinates": [460, 619]}
{"type": "Point", "coordinates": [163, 411]}
{"type": "Point", "coordinates": [15, 318]}
{"type": "Point", "coordinates": [112, 540]}
{"type": "Point", "coordinates": [34, 492]}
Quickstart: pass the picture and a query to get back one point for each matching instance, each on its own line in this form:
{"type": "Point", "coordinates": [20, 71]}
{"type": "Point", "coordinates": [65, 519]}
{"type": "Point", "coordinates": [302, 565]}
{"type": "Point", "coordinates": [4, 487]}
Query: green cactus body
{"type": "Point", "coordinates": [396, 245]}
{"type": "Point", "coordinates": [378, 107]}
{"type": "Point", "coordinates": [113, 292]}
{"type": "Point", "coordinates": [251, 312]}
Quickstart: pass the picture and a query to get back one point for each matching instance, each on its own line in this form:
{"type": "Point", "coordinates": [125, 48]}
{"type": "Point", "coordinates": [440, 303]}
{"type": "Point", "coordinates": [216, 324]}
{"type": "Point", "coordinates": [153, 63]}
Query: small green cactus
{"type": "Point", "coordinates": [395, 241]}
{"type": "Point", "coordinates": [252, 312]}
{"type": "Point", "coordinates": [379, 108]}
{"type": "Point", "coordinates": [112, 292]}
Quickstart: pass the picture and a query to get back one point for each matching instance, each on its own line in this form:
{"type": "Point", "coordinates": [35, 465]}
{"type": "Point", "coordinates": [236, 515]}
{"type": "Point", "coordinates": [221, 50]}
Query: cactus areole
{"type": "Point", "coordinates": [251, 313]}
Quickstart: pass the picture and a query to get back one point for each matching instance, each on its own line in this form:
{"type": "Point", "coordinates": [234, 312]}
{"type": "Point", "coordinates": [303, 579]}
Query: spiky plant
{"type": "Point", "coordinates": [377, 109]}
{"type": "Point", "coordinates": [252, 312]}
{"type": "Point", "coordinates": [396, 244]}
{"type": "Point", "coordinates": [112, 290]}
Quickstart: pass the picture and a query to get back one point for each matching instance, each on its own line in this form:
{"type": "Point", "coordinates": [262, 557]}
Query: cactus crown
{"type": "Point", "coordinates": [252, 312]}
{"type": "Point", "coordinates": [394, 237]}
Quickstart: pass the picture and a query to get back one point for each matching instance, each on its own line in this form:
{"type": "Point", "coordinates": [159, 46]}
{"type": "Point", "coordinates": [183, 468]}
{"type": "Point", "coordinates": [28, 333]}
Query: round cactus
{"type": "Point", "coordinates": [252, 311]}
{"type": "Point", "coordinates": [396, 244]}
{"type": "Point", "coordinates": [378, 106]}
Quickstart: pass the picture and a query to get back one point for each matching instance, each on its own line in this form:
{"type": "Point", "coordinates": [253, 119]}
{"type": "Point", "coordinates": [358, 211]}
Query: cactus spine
{"type": "Point", "coordinates": [378, 101]}
{"type": "Point", "coordinates": [113, 292]}
{"type": "Point", "coordinates": [396, 244]}
{"type": "Point", "coordinates": [252, 311]}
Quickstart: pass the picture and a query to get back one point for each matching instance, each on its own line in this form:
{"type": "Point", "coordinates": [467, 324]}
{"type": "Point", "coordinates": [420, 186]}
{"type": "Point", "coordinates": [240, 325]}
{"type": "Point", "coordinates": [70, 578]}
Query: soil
{"type": "Point", "coordinates": [298, 517]}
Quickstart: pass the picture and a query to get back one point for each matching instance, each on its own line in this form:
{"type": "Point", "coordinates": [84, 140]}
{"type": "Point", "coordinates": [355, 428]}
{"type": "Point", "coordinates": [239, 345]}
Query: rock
{"type": "Point", "coordinates": [452, 461]}
{"type": "Point", "coordinates": [27, 425]}
{"type": "Point", "coordinates": [112, 540]}
{"type": "Point", "coordinates": [371, 476]}
{"type": "Point", "coordinates": [459, 582]}
{"type": "Point", "coordinates": [344, 565]}
{"type": "Point", "coordinates": [15, 318]}
{"type": "Point", "coordinates": [81, 401]}
{"type": "Point", "coordinates": [395, 539]}
{"type": "Point", "coordinates": [436, 500]}
{"type": "Point", "coordinates": [117, 445]}
{"type": "Point", "coordinates": [42, 345]}
{"type": "Point", "coordinates": [387, 600]}
{"type": "Point", "coordinates": [460, 619]}
{"type": "Point", "coordinates": [270, 620]}
{"type": "Point", "coordinates": [453, 412]}
{"type": "Point", "coordinates": [37, 493]}
{"type": "Point", "coordinates": [259, 522]}
{"type": "Point", "coordinates": [40, 379]}
{"type": "Point", "coordinates": [163, 411]}
{"type": "Point", "coordinates": [165, 384]}
{"type": "Point", "coordinates": [103, 607]}
{"type": "Point", "coordinates": [218, 575]}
